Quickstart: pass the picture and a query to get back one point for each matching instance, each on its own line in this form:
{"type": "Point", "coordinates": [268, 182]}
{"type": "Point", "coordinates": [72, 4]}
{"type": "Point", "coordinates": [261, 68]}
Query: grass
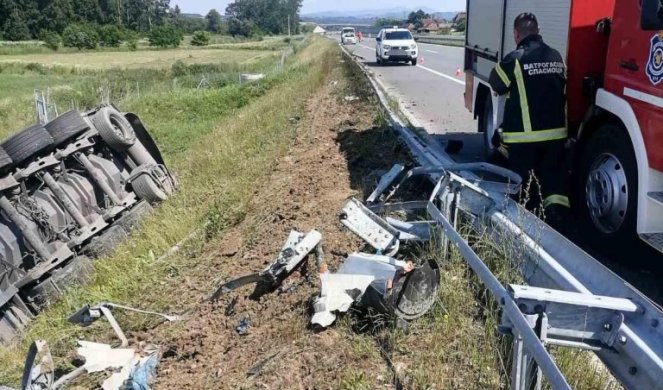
{"type": "Point", "coordinates": [228, 151]}
{"type": "Point", "coordinates": [100, 60]}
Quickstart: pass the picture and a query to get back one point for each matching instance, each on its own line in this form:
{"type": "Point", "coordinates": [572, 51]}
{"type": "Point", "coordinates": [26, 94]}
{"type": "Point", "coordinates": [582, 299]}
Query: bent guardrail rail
{"type": "Point", "coordinates": [632, 346]}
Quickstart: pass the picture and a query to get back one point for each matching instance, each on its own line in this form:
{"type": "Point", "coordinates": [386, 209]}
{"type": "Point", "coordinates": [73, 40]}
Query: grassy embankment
{"type": "Point", "coordinates": [220, 141]}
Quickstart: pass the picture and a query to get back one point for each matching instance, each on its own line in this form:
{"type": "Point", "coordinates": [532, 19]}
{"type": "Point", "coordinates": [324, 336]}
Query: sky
{"type": "Point", "coordinates": [310, 6]}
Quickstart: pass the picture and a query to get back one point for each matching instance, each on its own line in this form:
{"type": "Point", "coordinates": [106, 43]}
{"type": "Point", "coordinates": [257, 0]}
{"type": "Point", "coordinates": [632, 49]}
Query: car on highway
{"type": "Point", "coordinates": [348, 36]}
{"type": "Point", "coordinates": [396, 45]}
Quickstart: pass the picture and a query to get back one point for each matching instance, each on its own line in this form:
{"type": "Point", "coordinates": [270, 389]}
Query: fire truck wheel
{"type": "Point", "coordinates": [609, 187]}
{"type": "Point", "coordinates": [487, 128]}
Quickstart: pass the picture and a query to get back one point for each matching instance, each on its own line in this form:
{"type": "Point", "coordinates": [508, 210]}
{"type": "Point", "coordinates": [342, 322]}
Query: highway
{"type": "Point", "coordinates": [431, 92]}
{"type": "Point", "coordinates": [432, 95]}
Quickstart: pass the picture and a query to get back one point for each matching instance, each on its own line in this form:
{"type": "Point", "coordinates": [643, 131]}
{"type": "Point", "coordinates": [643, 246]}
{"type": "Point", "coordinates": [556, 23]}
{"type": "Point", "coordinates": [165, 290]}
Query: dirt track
{"type": "Point", "coordinates": [336, 154]}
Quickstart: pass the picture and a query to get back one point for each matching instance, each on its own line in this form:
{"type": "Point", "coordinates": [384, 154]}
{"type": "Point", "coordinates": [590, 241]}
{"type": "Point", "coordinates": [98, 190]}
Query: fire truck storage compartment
{"type": "Point", "coordinates": [490, 27]}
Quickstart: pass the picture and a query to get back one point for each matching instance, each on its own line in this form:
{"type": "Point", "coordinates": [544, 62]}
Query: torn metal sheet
{"type": "Point", "coordinates": [370, 227]}
{"type": "Point", "coordinates": [100, 357]}
{"type": "Point", "coordinates": [295, 250]}
{"type": "Point", "coordinates": [385, 181]}
{"type": "Point", "coordinates": [39, 368]}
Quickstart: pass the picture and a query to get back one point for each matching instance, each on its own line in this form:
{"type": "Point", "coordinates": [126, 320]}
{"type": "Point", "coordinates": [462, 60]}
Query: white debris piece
{"type": "Point", "coordinates": [355, 275]}
{"type": "Point", "coordinates": [100, 357]}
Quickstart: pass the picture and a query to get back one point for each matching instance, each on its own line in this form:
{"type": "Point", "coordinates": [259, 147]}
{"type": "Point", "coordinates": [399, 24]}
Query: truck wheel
{"type": "Point", "coordinates": [487, 127]}
{"type": "Point", "coordinates": [609, 193]}
{"type": "Point", "coordinates": [6, 162]}
{"type": "Point", "coordinates": [114, 128]}
{"type": "Point", "coordinates": [66, 126]}
{"type": "Point", "coordinates": [29, 142]}
{"type": "Point", "coordinates": [151, 190]}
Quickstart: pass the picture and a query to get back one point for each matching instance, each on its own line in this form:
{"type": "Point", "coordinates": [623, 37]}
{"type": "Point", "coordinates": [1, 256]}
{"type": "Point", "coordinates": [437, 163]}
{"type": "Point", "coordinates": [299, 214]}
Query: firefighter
{"type": "Point", "coordinates": [533, 133]}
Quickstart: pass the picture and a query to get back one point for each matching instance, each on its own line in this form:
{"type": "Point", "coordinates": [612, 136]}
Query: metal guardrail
{"type": "Point", "coordinates": [447, 40]}
{"type": "Point", "coordinates": [630, 340]}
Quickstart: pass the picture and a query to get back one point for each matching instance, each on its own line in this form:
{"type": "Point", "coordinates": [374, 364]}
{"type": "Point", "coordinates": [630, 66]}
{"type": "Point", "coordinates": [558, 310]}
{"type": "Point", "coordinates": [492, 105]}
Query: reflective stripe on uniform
{"type": "Point", "coordinates": [519, 137]}
{"type": "Point", "coordinates": [503, 76]}
{"type": "Point", "coordinates": [559, 200]}
{"type": "Point", "coordinates": [524, 105]}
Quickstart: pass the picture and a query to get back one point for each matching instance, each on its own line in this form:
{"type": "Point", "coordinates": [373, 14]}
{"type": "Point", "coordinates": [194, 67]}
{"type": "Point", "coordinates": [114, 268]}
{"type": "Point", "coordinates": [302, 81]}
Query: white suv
{"type": "Point", "coordinates": [396, 45]}
{"type": "Point", "coordinates": [348, 36]}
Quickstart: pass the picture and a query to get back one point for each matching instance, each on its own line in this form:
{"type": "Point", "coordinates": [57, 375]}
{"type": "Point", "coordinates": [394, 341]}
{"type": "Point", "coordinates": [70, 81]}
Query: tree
{"type": "Point", "coordinates": [110, 35]}
{"type": "Point", "coordinates": [165, 36]}
{"type": "Point", "coordinates": [200, 38]}
{"type": "Point", "coordinates": [269, 16]}
{"type": "Point", "coordinates": [16, 28]}
{"type": "Point", "coordinates": [213, 21]}
{"type": "Point", "coordinates": [51, 39]}
{"type": "Point", "coordinates": [459, 25]}
{"type": "Point", "coordinates": [80, 36]}
{"type": "Point", "coordinates": [242, 27]}
{"type": "Point", "coordinates": [417, 18]}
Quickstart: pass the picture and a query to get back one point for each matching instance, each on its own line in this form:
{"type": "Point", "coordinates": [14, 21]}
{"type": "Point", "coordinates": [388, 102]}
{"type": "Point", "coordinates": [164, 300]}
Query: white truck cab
{"type": "Point", "coordinates": [396, 45]}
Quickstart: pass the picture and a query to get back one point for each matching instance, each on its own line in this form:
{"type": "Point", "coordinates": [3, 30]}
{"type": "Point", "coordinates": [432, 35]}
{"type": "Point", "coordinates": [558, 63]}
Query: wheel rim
{"type": "Point", "coordinates": [607, 193]}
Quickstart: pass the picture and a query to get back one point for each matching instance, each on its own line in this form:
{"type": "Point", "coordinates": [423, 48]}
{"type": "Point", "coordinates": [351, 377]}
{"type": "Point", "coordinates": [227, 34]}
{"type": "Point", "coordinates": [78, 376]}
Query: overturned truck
{"type": "Point", "coordinates": [70, 189]}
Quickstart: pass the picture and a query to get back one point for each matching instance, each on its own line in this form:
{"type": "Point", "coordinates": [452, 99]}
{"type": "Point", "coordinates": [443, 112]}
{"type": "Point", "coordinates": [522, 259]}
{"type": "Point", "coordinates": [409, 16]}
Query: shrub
{"type": "Point", "coordinates": [165, 36]}
{"type": "Point", "coordinates": [80, 36]}
{"type": "Point", "coordinates": [51, 39]}
{"type": "Point", "coordinates": [131, 38]}
{"type": "Point", "coordinates": [110, 35]}
{"type": "Point", "coordinates": [200, 38]}
{"type": "Point", "coordinates": [179, 69]}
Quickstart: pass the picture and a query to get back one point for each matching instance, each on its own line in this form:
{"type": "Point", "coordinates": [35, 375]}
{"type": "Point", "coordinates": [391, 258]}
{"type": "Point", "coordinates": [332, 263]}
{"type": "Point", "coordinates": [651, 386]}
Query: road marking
{"type": "Point", "coordinates": [431, 51]}
{"type": "Point", "coordinates": [366, 47]}
{"type": "Point", "coordinates": [455, 80]}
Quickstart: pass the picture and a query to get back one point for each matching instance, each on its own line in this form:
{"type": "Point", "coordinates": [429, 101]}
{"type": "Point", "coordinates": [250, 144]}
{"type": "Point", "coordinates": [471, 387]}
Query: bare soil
{"type": "Point", "coordinates": [336, 155]}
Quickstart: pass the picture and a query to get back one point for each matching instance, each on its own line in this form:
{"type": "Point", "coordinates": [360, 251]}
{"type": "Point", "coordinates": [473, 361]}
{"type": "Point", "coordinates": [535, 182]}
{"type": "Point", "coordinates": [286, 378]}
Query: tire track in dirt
{"type": "Point", "coordinates": [334, 156]}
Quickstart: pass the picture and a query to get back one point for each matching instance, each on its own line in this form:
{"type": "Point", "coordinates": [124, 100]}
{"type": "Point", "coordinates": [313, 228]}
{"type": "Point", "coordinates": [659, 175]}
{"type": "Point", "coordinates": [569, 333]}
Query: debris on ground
{"type": "Point", "coordinates": [351, 98]}
{"type": "Point", "coordinates": [242, 328]}
{"type": "Point", "coordinates": [296, 249]}
{"type": "Point", "coordinates": [376, 282]}
{"type": "Point", "coordinates": [39, 369]}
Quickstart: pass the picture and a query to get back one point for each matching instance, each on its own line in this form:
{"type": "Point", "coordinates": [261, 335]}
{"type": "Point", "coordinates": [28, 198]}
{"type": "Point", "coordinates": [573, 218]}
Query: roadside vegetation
{"type": "Point", "coordinates": [231, 134]}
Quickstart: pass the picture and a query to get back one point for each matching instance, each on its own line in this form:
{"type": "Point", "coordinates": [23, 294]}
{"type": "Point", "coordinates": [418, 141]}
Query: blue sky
{"type": "Point", "coordinates": [202, 6]}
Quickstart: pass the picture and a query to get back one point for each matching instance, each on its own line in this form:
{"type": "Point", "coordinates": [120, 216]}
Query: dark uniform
{"type": "Point", "coordinates": [534, 129]}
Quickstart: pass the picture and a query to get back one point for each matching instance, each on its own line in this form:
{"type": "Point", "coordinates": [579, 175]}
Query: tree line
{"type": "Point", "coordinates": [84, 23]}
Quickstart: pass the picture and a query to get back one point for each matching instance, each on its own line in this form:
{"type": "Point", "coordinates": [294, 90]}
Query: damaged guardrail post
{"type": "Point", "coordinates": [530, 339]}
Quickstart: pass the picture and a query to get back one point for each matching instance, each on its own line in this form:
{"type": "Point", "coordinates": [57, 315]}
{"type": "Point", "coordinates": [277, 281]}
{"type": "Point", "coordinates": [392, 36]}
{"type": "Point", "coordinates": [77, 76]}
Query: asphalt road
{"type": "Point", "coordinates": [431, 92]}
{"type": "Point", "coordinates": [432, 95]}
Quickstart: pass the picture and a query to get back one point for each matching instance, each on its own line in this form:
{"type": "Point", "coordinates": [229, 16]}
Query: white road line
{"type": "Point", "coordinates": [450, 78]}
{"type": "Point", "coordinates": [431, 51]}
{"type": "Point", "coordinates": [366, 47]}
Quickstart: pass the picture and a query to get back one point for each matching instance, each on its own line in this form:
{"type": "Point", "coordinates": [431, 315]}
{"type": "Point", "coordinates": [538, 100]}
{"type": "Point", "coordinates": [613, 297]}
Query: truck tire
{"type": "Point", "coordinates": [114, 128]}
{"type": "Point", "coordinates": [146, 188]}
{"type": "Point", "coordinates": [6, 162]}
{"type": "Point", "coordinates": [29, 142]}
{"type": "Point", "coordinates": [608, 188]}
{"type": "Point", "coordinates": [67, 126]}
{"type": "Point", "coordinates": [76, 273]}
{"type": "Point", "coordinates": [487, 128]}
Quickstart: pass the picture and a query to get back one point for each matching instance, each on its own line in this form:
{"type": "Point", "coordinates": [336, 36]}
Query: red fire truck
{"type": "Point", "coordinates": [614, 55]}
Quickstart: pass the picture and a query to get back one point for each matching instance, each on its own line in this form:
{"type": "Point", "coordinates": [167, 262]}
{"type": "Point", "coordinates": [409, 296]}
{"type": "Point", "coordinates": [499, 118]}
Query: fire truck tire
{"type": "Point", "coordinates": [608, 187]}
{"type": "Point", "coordinates": [487, 128]}
{"type": "Point", "coordinates": [29, 142]}
{"type": "Point", "coordinates": [67, 126]}
{"type": "Point", "coordinates": [114, 128]}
